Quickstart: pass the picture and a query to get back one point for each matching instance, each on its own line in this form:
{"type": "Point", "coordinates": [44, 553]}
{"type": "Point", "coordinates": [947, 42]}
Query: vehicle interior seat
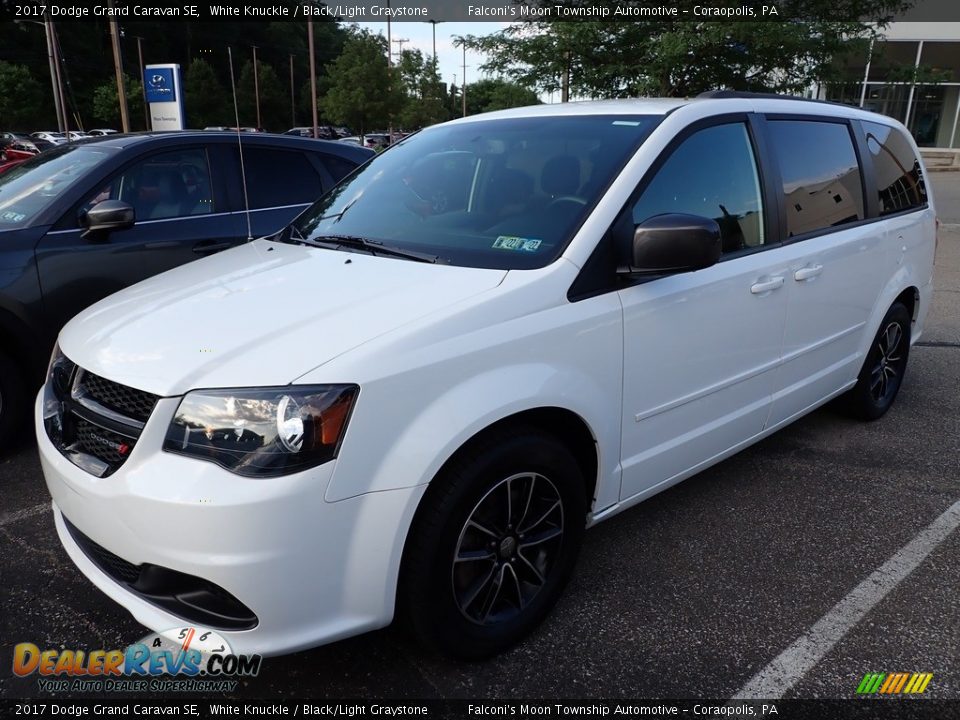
{"type": "Point", "coordinates": [560, 176]}
{"type": "Point", "coordinates": [171, 195]}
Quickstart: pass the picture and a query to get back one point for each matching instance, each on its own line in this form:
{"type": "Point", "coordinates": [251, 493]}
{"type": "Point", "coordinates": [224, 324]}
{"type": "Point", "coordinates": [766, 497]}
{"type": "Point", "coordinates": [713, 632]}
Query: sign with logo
{"type": "Point", "coordinates": [159, 84]}
{"type": "Point", "coordinates": [165, 96]}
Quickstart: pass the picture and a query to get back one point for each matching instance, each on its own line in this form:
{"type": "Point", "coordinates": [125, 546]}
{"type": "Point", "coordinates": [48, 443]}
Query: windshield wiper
{"type": "Point", "coordinates": [374, 247]}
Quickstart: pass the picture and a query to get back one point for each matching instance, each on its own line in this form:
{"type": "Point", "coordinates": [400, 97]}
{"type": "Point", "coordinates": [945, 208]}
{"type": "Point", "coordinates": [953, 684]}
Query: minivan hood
{"type": "Point", "coordinates": [262, 314]}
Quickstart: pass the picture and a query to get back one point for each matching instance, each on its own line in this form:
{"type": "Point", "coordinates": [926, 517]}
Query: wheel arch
{"type": "Point", "coordinates": [565, 425]}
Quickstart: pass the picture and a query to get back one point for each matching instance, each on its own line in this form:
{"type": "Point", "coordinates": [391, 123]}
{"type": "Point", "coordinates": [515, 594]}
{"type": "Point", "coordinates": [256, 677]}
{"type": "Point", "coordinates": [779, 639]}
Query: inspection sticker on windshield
{"type": "Point", "coordinates": [510, 242]}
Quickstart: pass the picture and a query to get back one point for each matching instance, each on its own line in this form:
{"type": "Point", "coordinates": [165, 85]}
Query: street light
{"type": "Point", "coordinates": [434, 24]}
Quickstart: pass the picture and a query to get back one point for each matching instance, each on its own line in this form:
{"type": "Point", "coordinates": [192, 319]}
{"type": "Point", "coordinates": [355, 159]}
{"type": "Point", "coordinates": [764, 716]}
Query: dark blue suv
{"type": "Point", "coordinates": [83, 220]}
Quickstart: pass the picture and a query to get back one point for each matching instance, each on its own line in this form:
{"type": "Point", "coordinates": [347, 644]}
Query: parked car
{"type": "Point", "coordinates": [14, 155]}
{"type": "Point", "coordinates": [57, 138]}
{"type": "Point", "coordinates": [18, 141]}
{"type": "Point", "coordinates": [77, 135]}
{"type": "Point", "coordinates": [324, 132]}
{"type": "Point", "coordinates": [84, 220]}
{"type": "Point", "coordinates": [394, 409]}
{"type": "Point", "coordinates": [99, 132]}
{"type": "Point", "coordinates": [372, 141]}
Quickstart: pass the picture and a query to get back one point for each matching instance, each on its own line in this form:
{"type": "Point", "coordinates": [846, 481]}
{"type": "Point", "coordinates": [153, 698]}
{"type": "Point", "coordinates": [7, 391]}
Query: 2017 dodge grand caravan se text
{"type": "Point", "coordinates": [498, 332]}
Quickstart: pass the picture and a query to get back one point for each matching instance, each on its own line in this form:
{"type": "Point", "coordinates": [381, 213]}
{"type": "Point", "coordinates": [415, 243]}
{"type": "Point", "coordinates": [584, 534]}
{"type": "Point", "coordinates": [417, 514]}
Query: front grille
{"type": "Point", "coordinates": [94, 422]}
{"type": "Point", "coordinates": [103, 444]}
{"type": "Point", "coordinates": [122, 399]}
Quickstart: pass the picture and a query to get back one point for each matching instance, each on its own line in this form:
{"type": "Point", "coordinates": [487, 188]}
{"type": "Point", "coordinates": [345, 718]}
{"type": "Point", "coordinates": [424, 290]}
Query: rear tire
{"type": "Point", "coordinates": [13, 410]}
{"type": "Point", "coordinates": [493, 544]}
{"type": "Point", "coordinates": [883, 369]}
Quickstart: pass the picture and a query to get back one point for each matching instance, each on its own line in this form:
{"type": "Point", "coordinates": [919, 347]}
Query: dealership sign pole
{"type": "Point", "coordinates": [165, 96]}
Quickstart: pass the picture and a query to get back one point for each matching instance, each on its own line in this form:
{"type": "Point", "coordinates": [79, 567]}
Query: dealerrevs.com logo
{"type": "Point", "coordinates": [181, 659]}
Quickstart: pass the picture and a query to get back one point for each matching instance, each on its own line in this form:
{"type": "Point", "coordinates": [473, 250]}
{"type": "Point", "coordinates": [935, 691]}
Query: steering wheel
{"type": "Point", "coordinates": [569, 199]}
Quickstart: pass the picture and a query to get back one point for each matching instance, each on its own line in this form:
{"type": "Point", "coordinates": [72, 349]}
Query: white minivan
{"type": "Point", "coordinates": [504, 329]}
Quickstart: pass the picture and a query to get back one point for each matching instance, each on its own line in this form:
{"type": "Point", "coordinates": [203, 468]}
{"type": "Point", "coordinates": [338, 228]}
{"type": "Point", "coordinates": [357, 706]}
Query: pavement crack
{"type": "Point", "coordinates": [937, 343]}
{"type": "Point", "coordinates": [12, 517]}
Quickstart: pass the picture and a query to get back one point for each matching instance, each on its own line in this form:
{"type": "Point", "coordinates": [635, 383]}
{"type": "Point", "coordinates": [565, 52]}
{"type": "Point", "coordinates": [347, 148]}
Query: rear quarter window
{"type": "Point", "coordinates": [277, 178]}
{"type": "Point", "coordinates": [822, 186]}
{"type": "Point", "coordinates": [899, 178]}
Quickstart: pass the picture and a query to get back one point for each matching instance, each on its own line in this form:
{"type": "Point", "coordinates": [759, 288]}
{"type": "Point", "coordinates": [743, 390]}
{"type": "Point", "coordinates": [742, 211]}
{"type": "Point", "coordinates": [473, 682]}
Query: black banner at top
{"type": "Point", "coordinates": [464, 10]}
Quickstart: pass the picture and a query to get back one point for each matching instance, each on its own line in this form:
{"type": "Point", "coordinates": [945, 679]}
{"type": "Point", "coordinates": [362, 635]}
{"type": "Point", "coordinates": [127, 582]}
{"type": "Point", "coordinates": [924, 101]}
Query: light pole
{"type": "Point", "coordinates": [434, 24]}
{"type": "Point", "coordinates": [256, 85]}
{"type": "Point", "coordinates": [293, 105]}
{"type": "Point", "coordinates": [118, 68]}
{"type": "Point", "coordinates": [463, 90]}
{"type": "Point", "coordinates": [313, 75]}
{"type": "Point", "coordinates": [58, 67]}
{"type": "Point", "coordinates": [143, 85]}
{"type": "Point", "coordinates": [54, 76]}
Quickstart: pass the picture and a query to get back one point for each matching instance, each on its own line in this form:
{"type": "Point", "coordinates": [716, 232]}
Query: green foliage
{"type": "Point", "coordinates": [205, 99]}
{"type": "Point", "coordinates": [19, 96]}
{"type": "Point", "coordinates": [426, 100]}
{"type": "Point", "coordinates": [274, 97]}
{"type": "Point", "coordinates": [106, 106]}
{"type": "Point", "coordinates": [89, 61]}
{"type": "Point", "coordinates": [640, 57]}
{"type": "Point", "coordinates": [363, 90]}
{"type": "Point", "coordinates": [497, 94]}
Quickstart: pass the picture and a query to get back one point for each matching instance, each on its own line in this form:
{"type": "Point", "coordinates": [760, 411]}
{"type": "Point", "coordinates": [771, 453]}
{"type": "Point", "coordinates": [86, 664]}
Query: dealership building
{"type": "Point", "coordinates": [912, 74]}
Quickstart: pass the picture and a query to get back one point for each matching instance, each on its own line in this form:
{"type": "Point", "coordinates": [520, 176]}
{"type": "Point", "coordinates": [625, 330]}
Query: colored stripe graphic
{"type": "Point", "coordinates": [894, 683]}
{"type": "Point", "coordinates": [870, 683]}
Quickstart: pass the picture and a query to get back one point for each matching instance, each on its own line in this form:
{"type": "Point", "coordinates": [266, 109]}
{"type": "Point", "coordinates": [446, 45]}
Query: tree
{"type": "Point", "coordinates": [363, 90]}
{"type": "Point", "coordinates": [106, 105]}
{"type": "Point", "coordinates": [426, 101]}
{"type": "Point", "coordinates": [639, 57]}
{"type": "Point", "coordinates": [497, 94]}
{"type": "Point", "coordinates": [20, 94]}
{"type": "Point", "coordinates": [274, 103]}
{"type": "Point", "coordinates": [206, 102]}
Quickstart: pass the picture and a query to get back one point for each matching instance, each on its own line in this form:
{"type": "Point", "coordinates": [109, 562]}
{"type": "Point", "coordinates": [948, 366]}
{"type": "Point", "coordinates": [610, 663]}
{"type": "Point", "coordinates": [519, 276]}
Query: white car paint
{"type": "Point", "coordinates": [440, 353]}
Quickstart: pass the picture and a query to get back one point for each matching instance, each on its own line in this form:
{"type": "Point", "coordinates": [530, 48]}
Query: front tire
{"type": "Point", "coordinates": [883, 369]}
{"type": "Point", "coordinates": [493, 544]}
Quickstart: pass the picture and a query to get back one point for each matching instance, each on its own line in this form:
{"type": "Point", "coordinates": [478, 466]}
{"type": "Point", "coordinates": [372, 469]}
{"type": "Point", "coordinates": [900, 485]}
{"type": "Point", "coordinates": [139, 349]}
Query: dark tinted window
{"type": "Point", "coordinates": [338, 167]}
{"type": "Point", "coordinates": [279, 177]}
{"type": "Point", "coordinates": [712, 174]}
{"type": "Point", "coordinates": [498, 193]}
{"type": "Point", "coordinates": [896, 167]}
{"type": "Point", "coordinates": [821, 177]}
{"type": "Point", "coordinates": [167, 185]}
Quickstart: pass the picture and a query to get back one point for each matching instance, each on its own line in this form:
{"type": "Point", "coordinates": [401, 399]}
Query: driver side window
{"type": "Point", "coordinates": [167, 185]}
{"type": "Point", "coordinates": [713, 174]}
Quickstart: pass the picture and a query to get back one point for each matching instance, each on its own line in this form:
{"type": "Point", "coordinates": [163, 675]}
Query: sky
{"type": "Point", "coordinates": [450, 58]}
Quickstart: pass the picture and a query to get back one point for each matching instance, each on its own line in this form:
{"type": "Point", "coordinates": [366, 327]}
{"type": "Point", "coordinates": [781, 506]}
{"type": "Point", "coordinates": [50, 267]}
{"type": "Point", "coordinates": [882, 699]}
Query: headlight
{"type": "Point", "coordinates": [60, 372]}
{"type": "Point", "coordinates": [262, 432]}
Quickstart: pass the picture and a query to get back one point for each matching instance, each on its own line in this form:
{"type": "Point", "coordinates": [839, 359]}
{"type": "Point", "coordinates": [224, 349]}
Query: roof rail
{"type": "Point", "coordinates": [728, 94]}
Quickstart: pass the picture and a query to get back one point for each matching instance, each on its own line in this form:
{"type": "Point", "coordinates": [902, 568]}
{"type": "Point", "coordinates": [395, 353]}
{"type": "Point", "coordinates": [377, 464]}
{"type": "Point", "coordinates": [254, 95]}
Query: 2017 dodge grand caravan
{"type": "Point", "coordinates": [502, 330]}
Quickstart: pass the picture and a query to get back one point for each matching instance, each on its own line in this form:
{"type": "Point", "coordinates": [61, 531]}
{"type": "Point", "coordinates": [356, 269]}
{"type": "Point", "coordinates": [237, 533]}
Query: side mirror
{"type": "Point", "coordinates": [674, 242]}
{"type": "Point", "coordinates": [108, 215]}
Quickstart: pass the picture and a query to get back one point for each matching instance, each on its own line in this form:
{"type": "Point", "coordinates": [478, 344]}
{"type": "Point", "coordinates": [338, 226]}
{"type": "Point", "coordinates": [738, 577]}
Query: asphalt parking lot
{"type": "Point", "coordinates": [771, 554]}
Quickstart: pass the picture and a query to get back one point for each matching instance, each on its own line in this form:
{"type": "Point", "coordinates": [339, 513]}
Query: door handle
{"type": "Point", "coordinates": [807, 273]}
{"type": "Point", "coordinates": [209, 248]}
{"type": "Point", "coordinates": [766, 286]}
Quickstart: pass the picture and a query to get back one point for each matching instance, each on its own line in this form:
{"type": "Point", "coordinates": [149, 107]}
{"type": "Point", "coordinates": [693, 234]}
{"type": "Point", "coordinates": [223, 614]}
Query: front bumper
{"type": "Point", "coordinates": [311, 571]}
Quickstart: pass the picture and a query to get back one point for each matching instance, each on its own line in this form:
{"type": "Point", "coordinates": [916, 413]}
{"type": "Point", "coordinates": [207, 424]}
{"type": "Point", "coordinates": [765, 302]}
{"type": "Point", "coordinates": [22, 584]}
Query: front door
{"type": "Point", "coordinates": [178, 219]}
{"type": "Point", "coordinates": [701, 348]}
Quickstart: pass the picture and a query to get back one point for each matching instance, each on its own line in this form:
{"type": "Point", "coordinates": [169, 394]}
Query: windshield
{"type": "Point", "coordinates": [28, 189]}
{"type": "Point", "coordinates": [505, 194]}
